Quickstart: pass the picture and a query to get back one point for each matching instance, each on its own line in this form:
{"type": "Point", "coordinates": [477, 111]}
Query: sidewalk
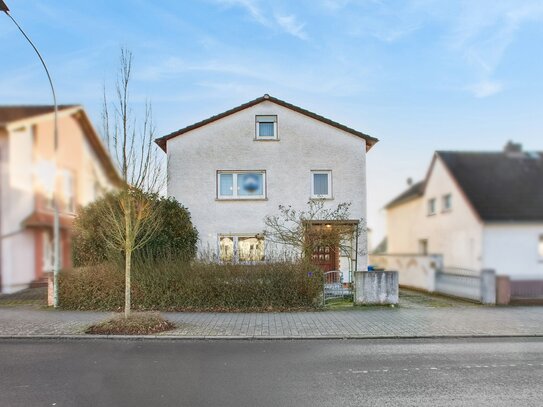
{"type": "Point", "coordinates": [372, 322]}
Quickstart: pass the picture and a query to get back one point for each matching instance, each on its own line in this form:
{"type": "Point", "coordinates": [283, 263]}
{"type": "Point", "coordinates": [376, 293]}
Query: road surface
{"type": "Point", "coordinates": [475, 372]}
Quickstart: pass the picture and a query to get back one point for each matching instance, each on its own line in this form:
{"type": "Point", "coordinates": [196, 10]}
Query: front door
{"type": "Point", "coordinates": [325, 257]}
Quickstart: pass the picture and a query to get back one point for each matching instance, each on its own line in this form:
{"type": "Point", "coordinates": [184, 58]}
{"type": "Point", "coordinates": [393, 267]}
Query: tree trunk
{"type": "Point", "coordinates": [127, 269]}
{"type": "Point", "coordinates": [127, 257]}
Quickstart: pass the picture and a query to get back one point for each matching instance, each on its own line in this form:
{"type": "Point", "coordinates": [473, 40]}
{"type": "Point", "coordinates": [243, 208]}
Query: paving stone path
{"type": "Point", "coordinates": [364, 322]}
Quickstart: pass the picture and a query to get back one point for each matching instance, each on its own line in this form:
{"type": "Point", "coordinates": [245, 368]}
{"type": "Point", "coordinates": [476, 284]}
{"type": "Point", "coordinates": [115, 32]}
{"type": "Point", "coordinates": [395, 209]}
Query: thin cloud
{"type": "Point", "coordinates": [250, 6]}
{"type": "Point", "coordinates": [286, 23]}
{"type": "Point", "coordinates": [483, 34]}
{"type": "Point", "coordinates": [485, 88]}
{"type": "Point", "coordinates": [292, 26]}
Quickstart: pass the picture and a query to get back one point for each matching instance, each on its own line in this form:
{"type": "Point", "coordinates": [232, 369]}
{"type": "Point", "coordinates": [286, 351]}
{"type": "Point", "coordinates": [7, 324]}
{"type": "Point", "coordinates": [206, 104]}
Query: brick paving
{"type": "Point", "coordinates": [364, 322]}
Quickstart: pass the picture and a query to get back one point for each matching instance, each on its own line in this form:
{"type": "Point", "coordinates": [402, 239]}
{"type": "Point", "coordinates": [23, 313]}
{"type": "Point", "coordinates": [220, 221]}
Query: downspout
{"type": "Point", "coordinates": [356, 253]}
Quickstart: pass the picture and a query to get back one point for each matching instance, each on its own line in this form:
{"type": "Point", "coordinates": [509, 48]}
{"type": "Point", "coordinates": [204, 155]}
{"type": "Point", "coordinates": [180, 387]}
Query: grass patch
{"type": "Point", "coordinates": [138, 323]}
{"type": "Point", "coordinates": [336, 304]}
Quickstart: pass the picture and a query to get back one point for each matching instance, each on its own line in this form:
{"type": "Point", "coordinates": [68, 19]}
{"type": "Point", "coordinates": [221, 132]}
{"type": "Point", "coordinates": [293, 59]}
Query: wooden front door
{"type": "Point", "coordinates": [326, 258]}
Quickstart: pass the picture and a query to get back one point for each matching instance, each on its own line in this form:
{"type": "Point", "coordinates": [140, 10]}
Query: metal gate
{"type": "Point", "coordinates": [334, 287]}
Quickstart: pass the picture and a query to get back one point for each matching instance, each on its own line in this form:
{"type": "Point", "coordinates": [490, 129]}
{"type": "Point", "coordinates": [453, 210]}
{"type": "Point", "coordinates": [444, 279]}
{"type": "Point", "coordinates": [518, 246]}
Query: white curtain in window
{"type": "Point", "coordinates": [226, 186]}
{"type": "Point", "coordinates": [265, 129]}
{"type": "Point", "coordinates": [320, 184]}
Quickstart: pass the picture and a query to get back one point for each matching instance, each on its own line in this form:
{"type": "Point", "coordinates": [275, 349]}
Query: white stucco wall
{"type": "Point", "coordinates": [93, 179]}
{"type": "Point", "coordinates": [17, 188]}
{"type": "Point", "coordinates": [456, 234]}
{"type": "Point", "coordinates": [403, 227]}
{"type": "Point", "coordinates": [18, 253]}
{"type": "Point", "coordinates": [512, 249]}
{"type": "Point", "coordinates": [304, 144]}
{"type": "Point", "coordinates": [17, 203]}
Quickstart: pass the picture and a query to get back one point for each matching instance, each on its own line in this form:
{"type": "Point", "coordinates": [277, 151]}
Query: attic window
{"type": "Point", "coordinates": [266, 128]}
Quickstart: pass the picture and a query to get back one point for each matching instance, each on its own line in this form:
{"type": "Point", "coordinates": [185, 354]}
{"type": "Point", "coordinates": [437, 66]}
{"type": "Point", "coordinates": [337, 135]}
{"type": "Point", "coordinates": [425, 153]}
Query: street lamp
{"type": "Point", "coordinates": [56, 221]}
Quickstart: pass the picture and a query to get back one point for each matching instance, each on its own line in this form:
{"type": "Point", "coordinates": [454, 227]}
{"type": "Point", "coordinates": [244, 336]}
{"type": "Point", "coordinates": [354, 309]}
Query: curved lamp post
{"type": "Point", "coordinates": [56, 221]}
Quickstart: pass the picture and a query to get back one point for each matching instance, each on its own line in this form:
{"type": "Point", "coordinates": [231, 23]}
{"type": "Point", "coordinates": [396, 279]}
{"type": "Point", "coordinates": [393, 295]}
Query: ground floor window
{"type": "Point", "coordinates": [242, 248]}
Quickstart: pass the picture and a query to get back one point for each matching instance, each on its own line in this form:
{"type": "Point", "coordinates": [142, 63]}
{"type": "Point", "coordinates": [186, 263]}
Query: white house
{"type": "Point", "coordinates": [479, 210]}
{"type": "Point", "coordinates": [27, 183]}
{"type": "Point", "coordinates": [233, 169]}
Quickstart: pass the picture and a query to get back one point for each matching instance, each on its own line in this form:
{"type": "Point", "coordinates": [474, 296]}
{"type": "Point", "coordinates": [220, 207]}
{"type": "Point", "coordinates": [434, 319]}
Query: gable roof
{"type": "Point", "coordinates": [13, 113]}
{"type": "Point", "coordinates": [500, 186]}
{"type": "Point", "coordinates": [414, 191]}
{"type": "Point", "coordinates": [370, 141]}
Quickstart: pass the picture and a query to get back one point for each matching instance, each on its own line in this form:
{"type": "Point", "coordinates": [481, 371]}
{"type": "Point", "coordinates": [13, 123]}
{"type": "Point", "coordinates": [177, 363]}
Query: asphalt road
{"type": "Point", "coordinates": [477, 372]}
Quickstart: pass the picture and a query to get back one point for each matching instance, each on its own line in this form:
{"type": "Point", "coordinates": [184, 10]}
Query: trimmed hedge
{"type": "Point", "coordinates": [198, 286]}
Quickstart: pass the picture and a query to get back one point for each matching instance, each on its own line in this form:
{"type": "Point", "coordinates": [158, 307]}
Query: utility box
{"type": "Point", "coordinates": [376, 287]}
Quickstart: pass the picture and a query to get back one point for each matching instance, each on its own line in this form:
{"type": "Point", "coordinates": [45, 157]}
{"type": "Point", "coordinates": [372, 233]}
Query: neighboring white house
{"type": "Point", "coordinates": [27, 183]}
{"type": "Point", "coordinates": [479, 210]}
{"type": "Point", "coordinates": [235, 168]}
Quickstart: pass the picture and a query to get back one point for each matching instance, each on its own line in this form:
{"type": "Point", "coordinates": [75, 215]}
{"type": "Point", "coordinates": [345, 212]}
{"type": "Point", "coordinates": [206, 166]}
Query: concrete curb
{"type": "Point", "coordinates": [258, 337]}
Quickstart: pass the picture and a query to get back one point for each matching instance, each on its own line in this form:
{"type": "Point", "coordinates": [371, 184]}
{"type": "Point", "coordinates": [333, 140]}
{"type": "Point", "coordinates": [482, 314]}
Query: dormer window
{"type": "Point", "coordinates": [266, 128]}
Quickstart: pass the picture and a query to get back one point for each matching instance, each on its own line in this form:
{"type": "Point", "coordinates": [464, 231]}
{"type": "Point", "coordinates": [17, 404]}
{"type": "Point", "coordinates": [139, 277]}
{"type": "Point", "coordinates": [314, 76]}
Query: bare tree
{"type": "Point", "coordinates": [304, 230]}
{"type": "Point", "coordinates": [130, 142]}
{"type": "Point", "coordinates": [129, 211]}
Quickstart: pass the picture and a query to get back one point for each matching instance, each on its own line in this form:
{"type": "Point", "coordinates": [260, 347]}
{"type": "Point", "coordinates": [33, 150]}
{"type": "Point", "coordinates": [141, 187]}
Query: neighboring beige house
{"type": "Point", "coordinates": [479, 210]}
{"type": "Point", "coordinates": [235, 168]}
{"type": "Point", "coordinates": [26, 186]}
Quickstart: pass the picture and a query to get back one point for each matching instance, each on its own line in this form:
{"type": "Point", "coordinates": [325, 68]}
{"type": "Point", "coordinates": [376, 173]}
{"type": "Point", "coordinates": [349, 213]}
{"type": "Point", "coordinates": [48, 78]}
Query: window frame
{"type": "Point", "coordinates": [69, 183]}
{"type": "Point", "coordinates": [446, 198]}
{"type": "Point", "coordinates": [268, 119]}
{"type": "Point", "coordinates": [235, 247]}
{"type": "Point", "coordinates": [235, 196]}
{"type": "Point", "coordinates": [433, 205]}
{"type": "Point", "coordinates": [330, 190]}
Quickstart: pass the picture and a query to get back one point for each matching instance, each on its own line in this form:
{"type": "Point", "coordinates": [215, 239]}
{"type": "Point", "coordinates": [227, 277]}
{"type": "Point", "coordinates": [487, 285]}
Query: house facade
{"type": "Point", "coordinates": [84, 171]}
{"type": "Point", "coordinates": [234, 169]}
{"type": "Point", "coordinates": [479, 210]}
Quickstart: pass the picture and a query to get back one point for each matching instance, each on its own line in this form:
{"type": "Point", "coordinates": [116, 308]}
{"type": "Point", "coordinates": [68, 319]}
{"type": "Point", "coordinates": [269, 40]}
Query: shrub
{"type": "Point", "coordinates": [198, 286]}
{"type": "Point", "coordinates": [176, 236]}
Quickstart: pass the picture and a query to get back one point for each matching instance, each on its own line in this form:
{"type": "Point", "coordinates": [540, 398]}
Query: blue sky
{"type": "Point", "coordinates": [420, 75]}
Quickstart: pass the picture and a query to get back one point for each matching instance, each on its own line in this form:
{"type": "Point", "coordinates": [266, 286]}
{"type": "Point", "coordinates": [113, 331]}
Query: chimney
{"type": "Point", "coordinates": [512, 149]}
{"type": "Point", "coordinates": [409, 181]}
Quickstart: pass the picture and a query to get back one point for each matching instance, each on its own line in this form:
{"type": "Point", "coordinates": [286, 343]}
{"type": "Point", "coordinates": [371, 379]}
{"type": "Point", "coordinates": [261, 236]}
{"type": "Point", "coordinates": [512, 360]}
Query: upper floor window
{"type": "Point", "coordinates": [266, 127]}
{"type": "Point", "coordinates": [447, 203]}
{"type": "Point", "coordinates": [431, 206]}
{"type": "Point", "coordinates": [321, 184]}
{"type": "Point", "coordinates": [69, 191]}
{"type": "Point", "coordinates": [241, 184]}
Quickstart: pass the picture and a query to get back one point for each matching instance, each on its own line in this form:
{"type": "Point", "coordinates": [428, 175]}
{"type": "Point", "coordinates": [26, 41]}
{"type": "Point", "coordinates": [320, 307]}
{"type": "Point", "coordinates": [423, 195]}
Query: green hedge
{"type": "Point", "coordinates": [176, 235]}
{"type": "Point", "coordinates": [177, 286]}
